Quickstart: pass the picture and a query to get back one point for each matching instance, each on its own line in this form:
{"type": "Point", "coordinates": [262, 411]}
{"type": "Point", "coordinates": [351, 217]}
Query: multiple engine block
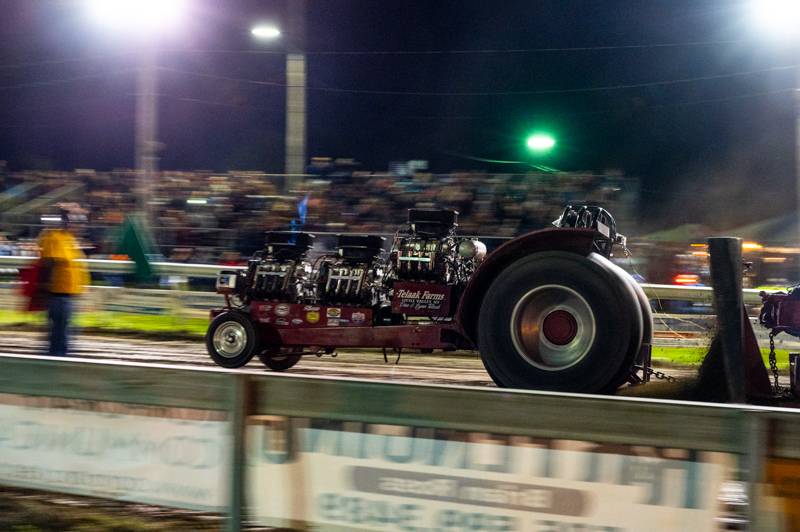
{"type": "Point", "coordinates": [281, 271]}
{"type": "Point", "coordinates": [354, 275]}
{"type": "Point", "coordinates": [431, 251]}
{"type": "Point", "coordinates": [361, 272]}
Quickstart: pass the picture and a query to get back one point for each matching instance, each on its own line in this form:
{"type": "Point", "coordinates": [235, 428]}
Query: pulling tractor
{"type": "Point", "coordinates": [546, 310]}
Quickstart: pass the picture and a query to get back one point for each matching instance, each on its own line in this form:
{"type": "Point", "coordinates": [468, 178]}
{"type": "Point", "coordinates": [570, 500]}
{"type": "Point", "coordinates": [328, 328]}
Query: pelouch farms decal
{"type": "Point", "coordinates": [421, 299]}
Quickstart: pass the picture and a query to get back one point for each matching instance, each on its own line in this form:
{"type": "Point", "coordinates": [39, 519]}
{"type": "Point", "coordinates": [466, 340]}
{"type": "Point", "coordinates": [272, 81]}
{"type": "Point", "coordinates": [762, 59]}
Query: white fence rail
{"type": "Point", "coordinates": [126, 266]}
{"type": "Point", "coordinates": [696, 294]}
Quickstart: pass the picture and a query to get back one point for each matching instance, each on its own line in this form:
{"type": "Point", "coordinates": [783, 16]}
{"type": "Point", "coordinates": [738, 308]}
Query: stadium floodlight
{"type": "Point", "coordinates": [144, 23]}
{"type": "Point", "coordinates": [137, 16]}
{"type": "Point", "coordinates": [540, 142]}
{"type": "Point", "coordinates": [265, 32]}
{"type": "Point", "coordinates": [778, 19]}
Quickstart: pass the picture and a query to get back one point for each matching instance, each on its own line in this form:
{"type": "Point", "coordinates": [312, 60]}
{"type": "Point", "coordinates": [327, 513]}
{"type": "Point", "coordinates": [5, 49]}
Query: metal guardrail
{"type": "Point", "coordinates": [697, 294]}
{"type": "Point", "coordinates": [739, 430]}
{"type": "Point", "coordinates": [126, 266]}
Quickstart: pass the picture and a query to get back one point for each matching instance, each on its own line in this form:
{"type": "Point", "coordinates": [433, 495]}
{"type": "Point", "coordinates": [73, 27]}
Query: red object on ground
{"type": "Point", "coordinates": [32, 287]}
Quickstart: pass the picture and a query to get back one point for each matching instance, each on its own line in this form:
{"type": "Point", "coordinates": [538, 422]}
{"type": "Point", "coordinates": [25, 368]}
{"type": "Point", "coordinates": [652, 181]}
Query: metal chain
{"type": "Point", "coordinates": [773, 365]}
{"type": "Point", "coordinates": [660, 375]}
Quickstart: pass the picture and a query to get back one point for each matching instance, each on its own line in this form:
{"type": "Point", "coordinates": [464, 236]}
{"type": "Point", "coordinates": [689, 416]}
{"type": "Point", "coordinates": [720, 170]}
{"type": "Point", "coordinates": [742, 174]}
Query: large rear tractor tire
{"type": "Point", "coordinates": [636, 292]}
{"type": "Point", "coordinates": [231, 339]}
{"type": "Point", "coordinates": [279, 358]}
{"type": "Point", "coordinates": [560, 321]}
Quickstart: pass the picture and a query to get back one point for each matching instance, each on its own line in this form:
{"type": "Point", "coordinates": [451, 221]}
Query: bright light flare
{"type": "Point", "coordinates": [777, 18]}
{"type": "Point", "coordinates": [265, 32]}
{"type": "Point", "coordinates": [137, 16]}
{"type": "Point", "coordinates": [686, 279]}
{"type": "Point", "coordinates": [540, 142]}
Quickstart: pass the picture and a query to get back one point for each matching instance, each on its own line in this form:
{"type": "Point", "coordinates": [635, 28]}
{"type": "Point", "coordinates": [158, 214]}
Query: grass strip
{"type": "Point", "coordinates": [693, 356]}
{"type": "Point", "coordinates": [114, 323]}
{"type": "Point", "coordinates": [175, 327]}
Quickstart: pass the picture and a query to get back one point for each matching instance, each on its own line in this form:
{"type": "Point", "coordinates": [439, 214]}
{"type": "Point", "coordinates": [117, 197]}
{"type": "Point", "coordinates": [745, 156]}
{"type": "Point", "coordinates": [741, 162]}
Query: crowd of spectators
{"type": "Point", "coordinates": [203, 216]}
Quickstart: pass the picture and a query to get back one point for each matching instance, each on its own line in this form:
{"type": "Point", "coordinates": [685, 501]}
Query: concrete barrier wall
{"type": "Point", "coordinates": [344, 454]}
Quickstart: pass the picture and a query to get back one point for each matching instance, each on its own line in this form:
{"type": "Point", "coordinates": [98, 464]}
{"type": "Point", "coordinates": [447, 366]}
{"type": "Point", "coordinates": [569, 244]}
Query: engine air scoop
{"type": "Point", "coordinates": [560, 327]}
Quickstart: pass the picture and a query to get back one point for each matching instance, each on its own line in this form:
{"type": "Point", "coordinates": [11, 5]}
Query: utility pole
{"type": "Point", "coordinates": [146, 129]}
{"type": "Point", "coordinates": [295, 136]}
{"type": "Point", "coordinates": [797, 140]}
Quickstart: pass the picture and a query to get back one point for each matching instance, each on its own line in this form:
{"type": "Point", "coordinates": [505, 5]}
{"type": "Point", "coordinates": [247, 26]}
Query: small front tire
{"type": "Point", "coordinates": [231, 340]}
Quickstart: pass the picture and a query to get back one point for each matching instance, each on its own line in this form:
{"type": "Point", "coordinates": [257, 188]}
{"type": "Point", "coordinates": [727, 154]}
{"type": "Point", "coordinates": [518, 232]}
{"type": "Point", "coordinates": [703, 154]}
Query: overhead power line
{"type": "Point", "coordinates": [55, 125]}
{"type": "Point", "coordinates": [431, 117]}
{"type": "Point", "coordinates": [63, 61]}
{"type": "Point", "coordinates": [214, 103]}
{"type": "Point", "coordinates": [445, 118]}
{"type": "Point", "coordinates": [222, 78]}
{"type": "Point", "coordinates": [614, 109]}
{"type": "Point", "coordinates": [129, 118]}
{"type": "Point", "coordinates": [61, 81]}
{"type": "Point", "coordinates": [478, 51]}
{"type": "Point", "coordinates": [539, 92]}
{"type": "Point", "coordinates": [473, 51]}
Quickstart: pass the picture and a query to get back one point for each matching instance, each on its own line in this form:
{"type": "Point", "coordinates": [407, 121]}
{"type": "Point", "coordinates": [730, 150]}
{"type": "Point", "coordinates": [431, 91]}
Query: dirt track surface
{"type": "Point", "coordinates": [436, 368]}
{"type": "Point", "coordinates": [462, 368]}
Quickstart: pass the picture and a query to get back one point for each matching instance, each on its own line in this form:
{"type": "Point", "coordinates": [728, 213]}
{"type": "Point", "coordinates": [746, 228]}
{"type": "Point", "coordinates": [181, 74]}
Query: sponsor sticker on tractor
{"type": "Point", "coordinates": [282, 309]}
{"type": "Point", "coordinates": [421, 299]}
{"type": "Point", "coordinates": [333, 312]}
{"type": "Point", "coordinates": [312, 316]}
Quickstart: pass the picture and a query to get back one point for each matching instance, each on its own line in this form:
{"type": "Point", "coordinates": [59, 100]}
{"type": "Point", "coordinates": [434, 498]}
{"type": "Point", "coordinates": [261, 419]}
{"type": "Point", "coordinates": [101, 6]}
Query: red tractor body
{"type": "Point", "coordinates": [546, 310]}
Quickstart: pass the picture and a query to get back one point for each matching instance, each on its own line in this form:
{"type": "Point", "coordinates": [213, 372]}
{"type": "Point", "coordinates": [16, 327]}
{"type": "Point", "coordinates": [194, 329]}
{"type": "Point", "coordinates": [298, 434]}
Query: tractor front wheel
{"type": "Point", "coordinates": [231, 339]}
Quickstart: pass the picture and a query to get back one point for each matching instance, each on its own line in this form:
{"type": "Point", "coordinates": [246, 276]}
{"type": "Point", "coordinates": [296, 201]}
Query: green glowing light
{"type": "Point", "coordinates": [540, 142]}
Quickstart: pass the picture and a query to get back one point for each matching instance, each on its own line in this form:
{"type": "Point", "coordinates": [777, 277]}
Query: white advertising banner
{"type": "Point", "coordinates": [153, 455]}
{"type": "Point", "coordinates": [377, 477]}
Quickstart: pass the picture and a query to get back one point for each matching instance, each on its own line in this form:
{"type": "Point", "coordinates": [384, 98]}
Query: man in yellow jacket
{"type": "Point", "coordinates": [64, 276]}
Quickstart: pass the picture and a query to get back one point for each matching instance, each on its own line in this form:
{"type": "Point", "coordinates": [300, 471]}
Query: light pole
{"type": "Point", "coordinates": [779, 20]}
{"type": "Point", "coordinates": [295, 135]}
{"type": "Point", "coordinates": [141, 21]}
{"type": "Point", "coordinates": [146, 151]}
{"type": "Point", "coordinates": [295, 93]}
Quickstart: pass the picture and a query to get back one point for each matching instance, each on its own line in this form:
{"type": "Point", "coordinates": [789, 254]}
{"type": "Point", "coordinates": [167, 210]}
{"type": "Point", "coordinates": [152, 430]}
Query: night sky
{"type": "Point", "coordinates": [699, 147]}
